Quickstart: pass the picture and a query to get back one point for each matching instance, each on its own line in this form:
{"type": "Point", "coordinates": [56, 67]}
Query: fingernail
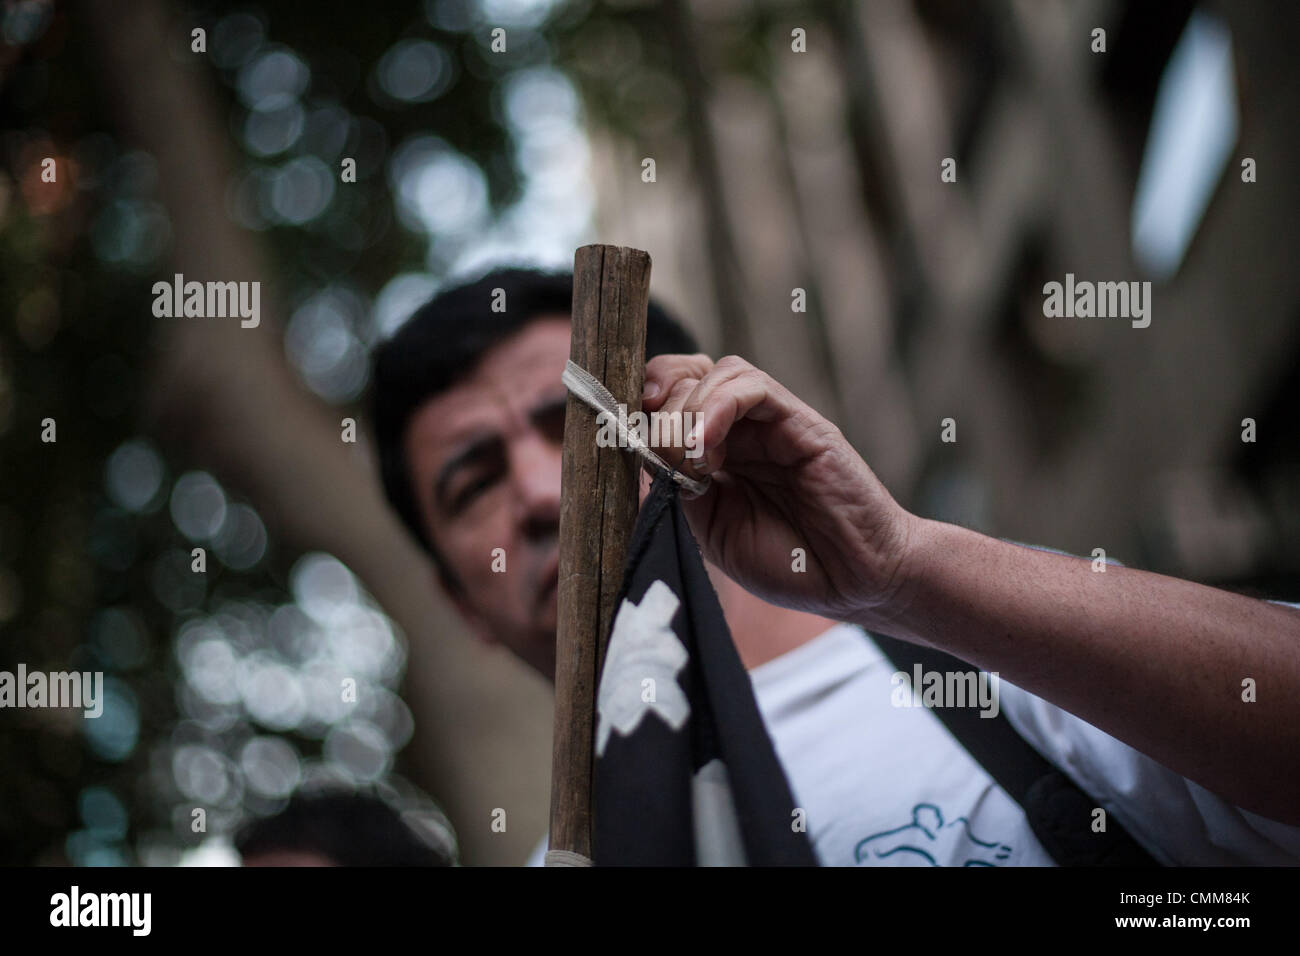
{"type": "Point", "coordinates": [693, 439]}
{"type": "Point", "coordinates": [650, 391]}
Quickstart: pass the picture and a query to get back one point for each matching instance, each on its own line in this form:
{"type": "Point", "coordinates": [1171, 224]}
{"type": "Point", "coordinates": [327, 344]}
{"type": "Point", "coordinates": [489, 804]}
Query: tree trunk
{"type": "Point", "coordinates": [225, 395]}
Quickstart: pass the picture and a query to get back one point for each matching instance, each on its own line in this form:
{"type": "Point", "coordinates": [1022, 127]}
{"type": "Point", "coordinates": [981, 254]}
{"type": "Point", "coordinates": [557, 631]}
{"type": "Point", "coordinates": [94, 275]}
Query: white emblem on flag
{"type": "Point", "coordinates": [642, 645]}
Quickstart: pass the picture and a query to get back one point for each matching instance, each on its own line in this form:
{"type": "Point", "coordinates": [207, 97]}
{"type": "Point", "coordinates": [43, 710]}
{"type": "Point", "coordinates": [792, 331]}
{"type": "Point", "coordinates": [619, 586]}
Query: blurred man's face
{"type": "Point", "coordinates": [484, 459]}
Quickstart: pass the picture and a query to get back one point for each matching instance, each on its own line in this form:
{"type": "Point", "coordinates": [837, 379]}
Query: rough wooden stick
{"type": "Point", "coordinates": [611, 292]}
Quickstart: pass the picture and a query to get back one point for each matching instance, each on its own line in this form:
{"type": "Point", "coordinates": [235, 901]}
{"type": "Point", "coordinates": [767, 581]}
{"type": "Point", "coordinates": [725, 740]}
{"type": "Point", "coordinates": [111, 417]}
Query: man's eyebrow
{"type": "Point", "coordinates": [476, 448]}
{"type": "Point", "coordinates": [549, 404]}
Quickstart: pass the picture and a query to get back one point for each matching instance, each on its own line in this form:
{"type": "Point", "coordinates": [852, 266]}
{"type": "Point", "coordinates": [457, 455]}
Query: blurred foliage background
{"type": "Point", "coordinates": [777, 168]}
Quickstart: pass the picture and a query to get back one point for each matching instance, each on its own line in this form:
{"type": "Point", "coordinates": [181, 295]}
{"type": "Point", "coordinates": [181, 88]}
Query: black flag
{"type": "Point", "coordinates": [685, 771]}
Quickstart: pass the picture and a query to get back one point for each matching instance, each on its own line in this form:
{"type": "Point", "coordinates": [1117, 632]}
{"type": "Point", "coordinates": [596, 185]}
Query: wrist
{"type": "Point", "coordinates": [890, 609]}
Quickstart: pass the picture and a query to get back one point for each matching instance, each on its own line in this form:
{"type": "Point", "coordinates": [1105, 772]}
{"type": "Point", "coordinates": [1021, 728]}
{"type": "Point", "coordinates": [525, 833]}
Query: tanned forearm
{"type": "Point", "coordinates": [1155, 661]}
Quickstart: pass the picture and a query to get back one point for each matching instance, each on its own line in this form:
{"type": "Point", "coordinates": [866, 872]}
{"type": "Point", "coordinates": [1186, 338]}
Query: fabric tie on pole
{"type": "Point", "coordinates": [565, 858]}
{"type": "Point", "coordinates": [586, 387]}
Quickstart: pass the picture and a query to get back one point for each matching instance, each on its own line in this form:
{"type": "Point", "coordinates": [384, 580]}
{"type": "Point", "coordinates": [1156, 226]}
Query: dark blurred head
{"type": "Point", "coordinates": [468, 413]}
{"type": "Point", "coordinates": [335, 829]}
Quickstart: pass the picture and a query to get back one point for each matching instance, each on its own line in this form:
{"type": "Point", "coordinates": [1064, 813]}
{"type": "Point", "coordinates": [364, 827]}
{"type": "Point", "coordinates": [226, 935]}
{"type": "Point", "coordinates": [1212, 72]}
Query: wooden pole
{"type": "Point", "coordinates": [611, 293]}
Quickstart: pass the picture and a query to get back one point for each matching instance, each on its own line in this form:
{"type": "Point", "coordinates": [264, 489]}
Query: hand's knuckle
{"type": "Point", "coordinates": [827, 431]}
{"type": "Point", "coordinates": [681, 389]}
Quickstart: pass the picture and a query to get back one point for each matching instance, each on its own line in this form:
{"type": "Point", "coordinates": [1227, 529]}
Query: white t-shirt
{"type": "Point", "coordinates": [883, 785]}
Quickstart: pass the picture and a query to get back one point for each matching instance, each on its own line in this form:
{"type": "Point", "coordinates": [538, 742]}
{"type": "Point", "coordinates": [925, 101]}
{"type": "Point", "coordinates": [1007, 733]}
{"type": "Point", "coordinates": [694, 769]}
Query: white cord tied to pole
{"type": "Point", "coordinates": [565, 858]}
{"type": "Point", "coordinates": [592, 392]}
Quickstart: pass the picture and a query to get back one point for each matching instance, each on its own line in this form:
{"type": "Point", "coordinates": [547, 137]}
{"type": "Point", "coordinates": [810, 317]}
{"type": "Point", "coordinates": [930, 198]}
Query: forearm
{"type": "Point", "coordinates": [1154, 661]}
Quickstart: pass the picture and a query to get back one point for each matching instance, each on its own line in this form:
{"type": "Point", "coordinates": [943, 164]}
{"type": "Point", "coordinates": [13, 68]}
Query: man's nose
{"type": "Point", "coordinates": [535, 465]}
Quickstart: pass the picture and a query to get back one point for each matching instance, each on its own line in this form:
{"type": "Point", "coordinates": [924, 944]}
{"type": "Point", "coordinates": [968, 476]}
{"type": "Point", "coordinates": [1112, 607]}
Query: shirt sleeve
{"type": "Point", "coordinates": [1176, 820]}
{"type": "Point", "coordinates": [538, 856]}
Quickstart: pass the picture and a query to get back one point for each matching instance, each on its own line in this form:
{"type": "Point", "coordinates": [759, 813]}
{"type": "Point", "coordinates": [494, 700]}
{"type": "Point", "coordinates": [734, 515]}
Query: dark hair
{"type": "Point", "coordinates": [351, 829]}
{"type": "Point", "coordinates": [444, 341]}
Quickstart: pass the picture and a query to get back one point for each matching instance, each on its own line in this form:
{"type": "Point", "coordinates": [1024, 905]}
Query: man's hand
{"type": "Point", "coordinates": [1157, 662]}
{"type": "Point", "coordinates": [783, 478]}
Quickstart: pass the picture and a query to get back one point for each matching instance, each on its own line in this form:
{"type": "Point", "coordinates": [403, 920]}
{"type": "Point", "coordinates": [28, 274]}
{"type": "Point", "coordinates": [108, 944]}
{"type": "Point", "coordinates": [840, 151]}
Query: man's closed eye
{"type": "Point", "coordinates": [469, 474]}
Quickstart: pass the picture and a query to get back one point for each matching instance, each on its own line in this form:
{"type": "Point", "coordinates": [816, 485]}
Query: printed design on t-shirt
{"type": "Point", "coordinates": [929, 838]}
